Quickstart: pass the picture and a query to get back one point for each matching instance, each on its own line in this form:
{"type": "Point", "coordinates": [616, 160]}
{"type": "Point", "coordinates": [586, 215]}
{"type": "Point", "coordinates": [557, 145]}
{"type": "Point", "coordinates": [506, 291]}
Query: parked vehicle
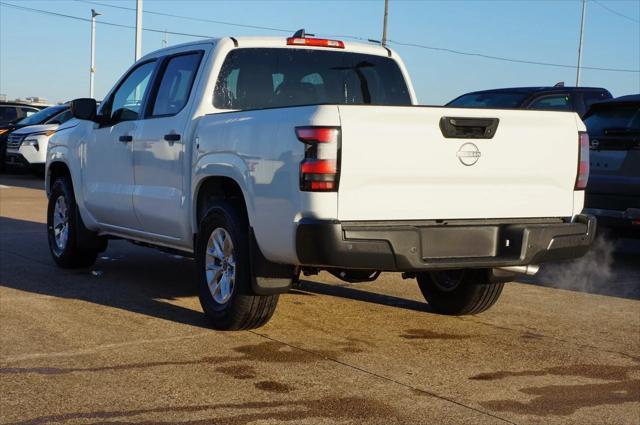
{"type": "Point", "coordinates": [26, 145]}
{"type": "Point", "coordinates": [613, 191]}
{"type": "Point", "coordinates": [262, 157]}
{"type": "Point", "coordinates": [556, 98]}
{"type": "Point", "coordinates": [40, 117]}
{"type": "Point", "coordinates": [14, 111]}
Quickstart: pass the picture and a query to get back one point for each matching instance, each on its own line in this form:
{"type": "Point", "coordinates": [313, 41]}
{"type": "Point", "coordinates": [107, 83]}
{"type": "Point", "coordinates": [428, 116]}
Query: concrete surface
{"type": "Point", "coordinates": [126, 342]}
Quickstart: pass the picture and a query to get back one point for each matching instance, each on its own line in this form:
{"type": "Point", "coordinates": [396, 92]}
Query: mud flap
{"type": "Point", "coordinates": [268, 278]}
{"type": "Point", "coordinates": [85, 238]}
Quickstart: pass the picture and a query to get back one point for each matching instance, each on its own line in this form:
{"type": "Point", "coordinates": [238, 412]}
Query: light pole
{"type": "Point", "coordinates": [92, 70]}
{"type": "Point", "coordinates": [384, 25]}
{"type": "Point", "coordinates": [584, 9]}
{"type": "Point", "coordinates": [138, 29]}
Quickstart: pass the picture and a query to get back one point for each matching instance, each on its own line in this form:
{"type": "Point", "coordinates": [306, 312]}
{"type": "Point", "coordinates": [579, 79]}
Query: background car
{"type": "Point", "coordinates": [12, 111]}
{"type": "Point", "coordinates": [53, 115]}
{"type": "Point", "coordinates": [556, 98]}
{"type": "Point", "coordinates": [613, 190]}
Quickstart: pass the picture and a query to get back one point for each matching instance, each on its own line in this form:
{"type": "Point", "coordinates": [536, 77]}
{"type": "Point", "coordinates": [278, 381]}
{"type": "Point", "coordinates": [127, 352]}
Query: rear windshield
{"type": "Point", "coordinates": [269, 78]}
{"type": "Point", "coordinates": [614, 120]}
{"type": "Point", "coordinates": [489, 100]}
{"type": "Point", "coordinates": [42, 116]}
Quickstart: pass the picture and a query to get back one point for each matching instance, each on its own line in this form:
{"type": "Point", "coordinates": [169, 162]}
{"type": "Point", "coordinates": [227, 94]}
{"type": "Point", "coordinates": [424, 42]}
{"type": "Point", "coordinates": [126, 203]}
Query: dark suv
{"type": "Point", "coordinates": [613, 191]}
{"type": "Point", "coordinates": [556, 98]}
{"type": "Point", "coordinates": [12, 111]}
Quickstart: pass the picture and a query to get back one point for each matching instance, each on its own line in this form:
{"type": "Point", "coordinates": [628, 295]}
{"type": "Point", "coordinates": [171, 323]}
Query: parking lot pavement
{"type": "Point", "coordinates": [126, 342]}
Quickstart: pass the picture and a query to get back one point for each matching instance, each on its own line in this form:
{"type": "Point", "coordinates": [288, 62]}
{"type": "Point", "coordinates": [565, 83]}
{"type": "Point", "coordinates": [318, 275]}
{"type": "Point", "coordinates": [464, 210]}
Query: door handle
{"type": "Point", "coordinates": [172, 137]}
{"type": "Point", "coordinates": [126, 139]}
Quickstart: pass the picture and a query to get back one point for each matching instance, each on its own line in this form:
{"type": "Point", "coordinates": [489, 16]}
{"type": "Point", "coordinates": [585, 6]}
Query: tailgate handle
{"type": "Point", "coordinates": [468, 128]}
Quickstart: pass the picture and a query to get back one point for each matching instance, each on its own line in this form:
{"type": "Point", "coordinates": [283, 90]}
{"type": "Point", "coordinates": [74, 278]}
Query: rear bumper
{"type": "Point", "coordinates": [432, 245]}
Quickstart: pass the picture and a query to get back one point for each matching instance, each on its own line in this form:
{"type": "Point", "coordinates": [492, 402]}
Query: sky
{"type": "Point", "coordinates": [49, 56]}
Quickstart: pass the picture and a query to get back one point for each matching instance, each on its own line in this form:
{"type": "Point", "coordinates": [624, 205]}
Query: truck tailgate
{"type": "Point", "coordinates": [396, 164]}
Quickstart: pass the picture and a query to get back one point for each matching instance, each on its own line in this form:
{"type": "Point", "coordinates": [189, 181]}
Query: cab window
{"type": "Point", "coordinates": [272, 77]}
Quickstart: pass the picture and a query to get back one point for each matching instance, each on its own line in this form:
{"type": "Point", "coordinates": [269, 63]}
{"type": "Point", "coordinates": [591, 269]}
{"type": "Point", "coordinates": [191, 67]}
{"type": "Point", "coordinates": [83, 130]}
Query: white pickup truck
{"type": "Point", "coordinates": [267, 157]}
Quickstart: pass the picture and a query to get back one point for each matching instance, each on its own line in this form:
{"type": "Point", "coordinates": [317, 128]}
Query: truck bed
{"type": "Point", "coordinates": [394, 165]}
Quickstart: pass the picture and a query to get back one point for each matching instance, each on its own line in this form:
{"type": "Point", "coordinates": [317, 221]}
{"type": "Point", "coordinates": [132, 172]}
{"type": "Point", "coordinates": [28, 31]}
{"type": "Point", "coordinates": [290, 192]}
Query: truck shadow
{"type": "Point", "coordinates": [131, 278]}
{"type": "Point", "coordinates": [348, 292]}
{"type": "Point", "coordinates": [125, 277]}
{"type": "Point", "coordinates": [22, 178]}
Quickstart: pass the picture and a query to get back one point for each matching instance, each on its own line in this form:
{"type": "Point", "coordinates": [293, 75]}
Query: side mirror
{"type": "Point", "coordinates": [84, 109]}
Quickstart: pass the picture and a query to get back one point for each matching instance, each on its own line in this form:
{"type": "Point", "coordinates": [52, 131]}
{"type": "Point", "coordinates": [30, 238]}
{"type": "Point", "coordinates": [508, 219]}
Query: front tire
{"type": "Point", "coordinates": [223, 265]}
{"type": "Point", "coordinates": [459, 292]}
{"type": "Point", "coordinates": [71, 244]}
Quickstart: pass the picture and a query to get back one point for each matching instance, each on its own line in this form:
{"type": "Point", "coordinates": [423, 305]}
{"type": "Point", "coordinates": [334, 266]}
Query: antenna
{"type": "Point", "coordinates": [584, 7]}
{"type": "Point", "coordinates": [384, 24]}
{"type": "Point", "coordinates": [92, 70]}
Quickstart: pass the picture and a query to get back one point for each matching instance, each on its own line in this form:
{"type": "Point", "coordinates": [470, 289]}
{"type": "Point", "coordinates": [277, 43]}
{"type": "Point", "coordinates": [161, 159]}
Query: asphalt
{"type": "Point", "coordinates": [126, 342]}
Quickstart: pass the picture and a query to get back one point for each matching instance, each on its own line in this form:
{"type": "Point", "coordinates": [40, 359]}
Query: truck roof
{"type": "Point", "coordinates": [281, 42]}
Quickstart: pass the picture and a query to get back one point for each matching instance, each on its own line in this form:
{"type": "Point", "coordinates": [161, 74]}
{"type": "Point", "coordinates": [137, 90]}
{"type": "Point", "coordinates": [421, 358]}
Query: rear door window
{"type": "Point", "coordinates": [489, 100]}
{"type": "Point", "coordinates": [614, 127]}
{"type": "Point", "coordinates": [613, 119]}
{"type": "Point", "coordinates": [556, 102]}
{"type": "Point", "coordinates": [268, 78]}
{"type": "Point", "coordinates": [175, 87]}
{"type": "Point", "coordinates": [27, 112]}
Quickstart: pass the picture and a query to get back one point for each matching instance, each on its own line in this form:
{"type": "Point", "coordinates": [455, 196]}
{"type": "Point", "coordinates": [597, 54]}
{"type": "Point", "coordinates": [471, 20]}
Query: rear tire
{"type": "Point", "coordinates": [224, 272]}
{"type": "Point", "coordinates": [71, 244]}
{"type": "Point", "coordinates": [459, 292]}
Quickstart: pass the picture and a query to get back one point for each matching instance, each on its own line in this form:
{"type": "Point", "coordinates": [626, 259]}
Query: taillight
{"type": "Point", "coordinates": [583, 161]}
{"type": "Point", "coordinates": [319, 170]}
{"type": "Point", "coordinates": [316, 42]}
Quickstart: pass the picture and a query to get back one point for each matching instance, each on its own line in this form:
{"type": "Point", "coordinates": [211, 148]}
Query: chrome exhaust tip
{"type": "Point", "coordinates": [529, 270]}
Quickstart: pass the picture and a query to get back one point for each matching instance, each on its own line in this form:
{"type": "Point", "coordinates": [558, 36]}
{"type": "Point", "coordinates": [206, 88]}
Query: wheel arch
{"type": "Point", "coordinates": [267, 278]}
{"type": "Point", "coordinates": [218, 187]}
{"type": "Point", "coordinates": [57, 167]}
{"type": "Point", "coordinates": [55, 170]}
